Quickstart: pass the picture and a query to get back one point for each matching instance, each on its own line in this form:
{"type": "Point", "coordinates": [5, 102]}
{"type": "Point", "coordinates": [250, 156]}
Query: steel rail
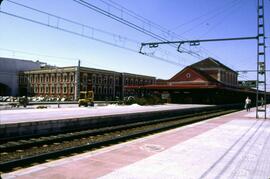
{"type": "Point", "coordinates": [153, 128]}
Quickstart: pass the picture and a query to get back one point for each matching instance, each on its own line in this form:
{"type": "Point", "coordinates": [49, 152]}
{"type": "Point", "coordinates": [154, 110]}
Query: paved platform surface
{"type": "Point", "coordinates": [233, 146]}
{"type": "Point", "coordinates": [67, 111]}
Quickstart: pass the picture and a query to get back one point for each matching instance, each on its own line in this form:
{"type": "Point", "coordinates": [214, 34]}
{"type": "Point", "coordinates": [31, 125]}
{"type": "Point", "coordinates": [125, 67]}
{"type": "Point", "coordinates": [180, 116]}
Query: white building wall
{"type": "Point", "coordinates": [9, 69]}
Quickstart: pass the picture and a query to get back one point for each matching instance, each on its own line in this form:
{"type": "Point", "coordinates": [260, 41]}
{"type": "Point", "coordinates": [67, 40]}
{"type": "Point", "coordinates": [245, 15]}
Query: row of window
{"type": "Point", "coordinates": [99, 79]}
{"type": "Point", "coordinates": [131, 81]}
{"type": "Point", "coordinates": [109, 80]}
{"type": "Point", "coordinates": [69, 89]}
{"type": "Point", "coordinates": [47, 78]}
{"type": "Point", "coordinates": [53, 89]}
{"type": "Point", "coordinates": [229, 78]}
{"type": "Point", "coordinates": [85, 79]}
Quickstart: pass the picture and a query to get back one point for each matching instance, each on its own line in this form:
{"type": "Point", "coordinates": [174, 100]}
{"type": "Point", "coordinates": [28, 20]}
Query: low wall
{"type": "Point", "coordinates": [64, 125]}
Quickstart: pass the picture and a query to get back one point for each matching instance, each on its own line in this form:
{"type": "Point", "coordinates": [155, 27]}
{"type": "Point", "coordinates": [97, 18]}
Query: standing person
{"type": "Point", "coordinates": [262, 102]}
{"type": "Point", "coordinates": [58, 102]}
{"type": "Point", "coordinates": [247, 103]}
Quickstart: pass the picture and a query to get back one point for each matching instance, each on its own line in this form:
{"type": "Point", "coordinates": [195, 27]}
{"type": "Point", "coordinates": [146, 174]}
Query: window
{"type": "Point", "coordinates": [41, 89]}
{"type": "Point", "coordinates": [72, 77]}
{"type": "Point", "coordinates": [84, 78]}
{"type": "Point", "coordinates": [72, 89]}
{"type": "Point", "coordinates": [111, 80]}
{"type": "Point", "coordinates": [65, 78]}
{"type": "Point", "coordinates": [105, 90]}
{"type": "Point", "coordinates": [110, 90]}
{"type": "Point", "coordinates": [58, 89]}
{"type": "Point", "coordinates": [99, 79]}
{"type": "Point", "coordinates": [41, 78]}
{"type": "Point", "coordinates": [126, 81]}
{"type": "Point", "coordinates": [65, 89]}
{"type": "Point", "coordinates": [105, 80]}
{"type": "Point", "coordinates": [99, 90]}
{"type": "Point", "coordinates": [47, 89]}
{"type": "Point", "coordinates": [94, 79]}
{"type": "Point", "coordinates": [52, 89]}
{"type": "Point", "coordinates": [58, 77]}
{"type": "Point", "coordinates": [36, 89]}
{"type": "Point", "coordinates": [188, 75]}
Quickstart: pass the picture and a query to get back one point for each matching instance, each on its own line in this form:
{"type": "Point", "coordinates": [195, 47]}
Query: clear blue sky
{"type": "Point", "coordinates": [190, 19]}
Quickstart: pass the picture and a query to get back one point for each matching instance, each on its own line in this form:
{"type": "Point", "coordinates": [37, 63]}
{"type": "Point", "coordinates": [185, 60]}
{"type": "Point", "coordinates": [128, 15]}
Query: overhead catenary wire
{"type": "Point", "coordinates": [211, 17]}
{"type": "Point", "coordinates": [71, 21]}
{"type": "Point", "coordinates": [169, 32]}
{"type": "Point", "coordinates": [38, 54]}
{"type": "Point", "coordinates": [133, 14]}
{"type": "Point", "coordinates": [80, 33]}
{"type": "Point", "coordinates": [75, 59]}
{"type": "Point", "coordinates": [125, 22]}
{"type": "Point", "coordinates": [224, 17]}
{"type": "Point", "coordinates": [212, 11]}
{"type": "Point", "coordinates": [124, 12]}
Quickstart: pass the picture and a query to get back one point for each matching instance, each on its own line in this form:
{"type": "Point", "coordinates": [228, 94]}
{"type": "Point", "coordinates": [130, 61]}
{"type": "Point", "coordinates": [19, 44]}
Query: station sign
{"type": "Point", "coordinates": [248, 83]}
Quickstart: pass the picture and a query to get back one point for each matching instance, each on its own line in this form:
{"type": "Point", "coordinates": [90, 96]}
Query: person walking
{"type": "Point", "coordinates": [262, 102]}
{"type": "Point", "coordinates": [247, 103]}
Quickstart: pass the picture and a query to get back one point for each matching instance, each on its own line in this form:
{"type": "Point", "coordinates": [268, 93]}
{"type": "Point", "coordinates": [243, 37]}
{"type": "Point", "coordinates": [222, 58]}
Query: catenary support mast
{"type": "Point", "coordinates": [261, 65]}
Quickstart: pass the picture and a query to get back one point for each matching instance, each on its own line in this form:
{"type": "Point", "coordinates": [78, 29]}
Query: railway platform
{"type": "Point", "coordinates": [72, 111]}
{"type": "Point", "coordinates": [236, 145]}
{"type": "Point", "coordinates": [26, 122]}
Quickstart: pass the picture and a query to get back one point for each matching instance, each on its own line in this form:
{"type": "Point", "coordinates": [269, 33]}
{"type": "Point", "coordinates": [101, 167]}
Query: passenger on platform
{"type": "Point", "coordinates": [262, 102]}
{"type": "Point", "coordinates": [247, 103]}
{"type": "Point", "coordinates": [58, 102]}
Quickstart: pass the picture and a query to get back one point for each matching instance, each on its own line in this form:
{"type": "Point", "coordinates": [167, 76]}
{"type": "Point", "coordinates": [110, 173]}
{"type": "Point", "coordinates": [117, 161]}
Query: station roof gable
{"type": "Point", "coordinates": [190, 74]}
{"type": "Point", "coordinates": [210, 63]}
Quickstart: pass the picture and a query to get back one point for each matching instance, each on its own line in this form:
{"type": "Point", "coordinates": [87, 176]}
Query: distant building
{"type": "Point", "coordinates": [67, 82]}
{"type": "Point", "coordinates": [217, 70]}
{"type": "Point", "coordinates": [205, 72]}
{"type": "Point", "coordinates": [9, 69]}
{"type": "Point", "coordinates": [205, 82]}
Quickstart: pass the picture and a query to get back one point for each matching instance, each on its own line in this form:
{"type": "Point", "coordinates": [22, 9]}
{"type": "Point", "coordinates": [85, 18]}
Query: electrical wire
{"type": "Point", "coordinates": [51, 56]}
{"type": "Point", "coordinates": [37, 54]}
{"type": "Point", "coordinates": [88, 37]}
{"type": "Point", "coordinates": [204, 15]}
{"type": "Point", "coordinates": [210, 18]}
{"type": "Point", "coordinates": [170, 33]}
{"type": "Point", "coordinates": [123, 21]}
{"type": "Point", "coordinates": [71, 21]}
{"type": "Point", "coordinates": [80, 34]}
{"type": "Point", "coordinates": [224, 17]}
{"type": "Point", "coordinates": [138, 17]}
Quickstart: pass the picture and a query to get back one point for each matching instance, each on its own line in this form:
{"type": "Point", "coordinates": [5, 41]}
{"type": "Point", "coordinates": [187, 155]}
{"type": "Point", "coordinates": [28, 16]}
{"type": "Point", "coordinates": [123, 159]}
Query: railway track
{"type": "Point", "coordinates": [25, 152]}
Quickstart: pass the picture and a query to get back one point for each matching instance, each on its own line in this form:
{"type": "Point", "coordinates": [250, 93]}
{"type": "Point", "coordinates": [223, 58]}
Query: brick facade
{"type": "Point", "coordinates": [64, 82]}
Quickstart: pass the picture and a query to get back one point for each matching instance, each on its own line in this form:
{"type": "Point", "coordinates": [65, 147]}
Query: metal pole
{"type": "Point", "coordinates": [261, 65]}
{"type": "Point", "coordinates": [196, 42]}
{"type": "Point", "coordinates": [77, 81]}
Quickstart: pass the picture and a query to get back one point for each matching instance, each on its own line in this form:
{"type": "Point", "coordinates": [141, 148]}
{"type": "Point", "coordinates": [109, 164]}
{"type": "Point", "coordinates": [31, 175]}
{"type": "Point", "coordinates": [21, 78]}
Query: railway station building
{"type": "Point", "coordinates": [67, 82]}
{"type": "Point", "coordinates": [205, 82]}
